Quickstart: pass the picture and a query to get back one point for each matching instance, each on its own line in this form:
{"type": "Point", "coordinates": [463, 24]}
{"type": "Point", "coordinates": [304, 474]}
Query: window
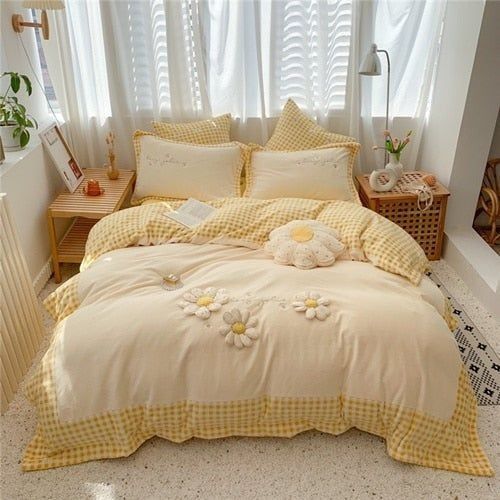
{"type": "Point", "coordinates": [194, 58]}
{"type": "Point", "coordinates": [276, 50]}
{"type": "Point", "coordinates": [313, 43]}
{"type": "Point", "coordinates": [46, 81]}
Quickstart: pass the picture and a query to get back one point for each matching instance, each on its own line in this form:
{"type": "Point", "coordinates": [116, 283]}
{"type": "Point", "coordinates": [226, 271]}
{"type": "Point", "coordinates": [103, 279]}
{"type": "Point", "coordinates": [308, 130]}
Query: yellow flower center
{"type": "Point", "coordinates": [238, 328]}
{"type": "Point", "coordinates": [311, 303]}
{"type": "Point", "coordinates": [204, 300]}
{"type": "Point", "coordinates": [301, 234]}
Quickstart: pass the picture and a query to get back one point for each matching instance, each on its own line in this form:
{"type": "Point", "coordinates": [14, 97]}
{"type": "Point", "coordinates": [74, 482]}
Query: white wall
{"type": "Point", "coordinates": [459, 133]}
{"type": "Point", "coordinates": [478, 122]}
{"type": "Point", "coordinates": [29, 178]}
{"type": "Point", "coordinates": [456, 58]}
{"type": "Point", "coordinates": [31, 184]}
{"type": "Point", "coordinates": [13, 58]}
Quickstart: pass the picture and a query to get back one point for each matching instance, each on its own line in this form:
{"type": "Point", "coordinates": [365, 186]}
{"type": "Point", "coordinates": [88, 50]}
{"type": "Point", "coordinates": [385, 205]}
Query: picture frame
{"type": "Point", "coordinates": [61, 155]}
{"type": "Point", "coordinates": [2, 153]}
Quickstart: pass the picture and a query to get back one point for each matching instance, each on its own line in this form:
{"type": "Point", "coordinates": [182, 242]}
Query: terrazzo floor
{"type": "Point", "coordinates": [311, 465]}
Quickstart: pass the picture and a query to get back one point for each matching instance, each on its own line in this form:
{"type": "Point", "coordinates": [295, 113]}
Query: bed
{"type": "Point", "coordinates": [248, 347]}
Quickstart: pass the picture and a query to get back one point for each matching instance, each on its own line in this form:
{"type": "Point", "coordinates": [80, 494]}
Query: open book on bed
{"type": "Point", "coordinates": [192, 213]}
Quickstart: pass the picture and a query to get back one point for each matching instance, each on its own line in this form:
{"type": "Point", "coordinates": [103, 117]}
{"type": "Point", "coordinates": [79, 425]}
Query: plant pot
{"type": "Point", "coordinates": [9, 143]}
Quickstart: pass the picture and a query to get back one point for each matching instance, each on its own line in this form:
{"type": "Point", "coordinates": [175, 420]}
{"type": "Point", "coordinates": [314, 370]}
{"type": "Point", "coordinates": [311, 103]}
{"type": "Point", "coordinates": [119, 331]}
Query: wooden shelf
{"type": "Point", "coordinates": [72, 246]}
{"type": "Point", "coordinates": [86, 210]}
{"type": "Point", "coordinates": [78, 204]}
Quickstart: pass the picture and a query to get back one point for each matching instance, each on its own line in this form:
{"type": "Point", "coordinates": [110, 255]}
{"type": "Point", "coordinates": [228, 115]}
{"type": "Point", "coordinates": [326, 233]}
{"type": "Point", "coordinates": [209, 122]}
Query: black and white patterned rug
{"type": "Point", "coordinates": [481, 361]}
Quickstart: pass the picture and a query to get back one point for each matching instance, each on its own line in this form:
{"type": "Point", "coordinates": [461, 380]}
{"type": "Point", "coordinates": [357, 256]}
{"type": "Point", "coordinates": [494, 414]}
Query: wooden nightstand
{"type": "Point", "coordinates": [426, 227]}
{"type": "Point", "coordinates": [86, 210]}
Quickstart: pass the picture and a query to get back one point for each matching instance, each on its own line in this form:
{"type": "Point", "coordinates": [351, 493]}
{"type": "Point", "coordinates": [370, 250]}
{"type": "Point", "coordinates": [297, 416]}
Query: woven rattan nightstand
{"type": "Point", "coordinates": [400, 207]}
{"type": "Point", "coordinates": [86, 210]}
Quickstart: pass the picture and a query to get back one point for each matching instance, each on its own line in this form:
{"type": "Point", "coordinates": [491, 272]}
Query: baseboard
{"type": "Point", "coordinates": [43, 276]}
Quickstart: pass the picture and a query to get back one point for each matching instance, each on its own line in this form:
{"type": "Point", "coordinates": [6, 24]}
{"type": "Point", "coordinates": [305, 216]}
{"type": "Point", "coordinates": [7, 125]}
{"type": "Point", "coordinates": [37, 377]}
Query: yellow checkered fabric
{"type": "Point", "coordinates": [245, 153]}
{"type": "Point", "coordinates": [449, 317]}
{"type": "Point", "coordinates": [411, 436]}
{"type": "Point", "coordinates": [295, 131]}
{"type": "Point", "coordinates": [212, 131]}
{"type": "Point", "coordinates": [353, 148]}
{"type": "Point", "coordinates": [250, 221]}
{"type": "Point", "coordinates": [64, 300]}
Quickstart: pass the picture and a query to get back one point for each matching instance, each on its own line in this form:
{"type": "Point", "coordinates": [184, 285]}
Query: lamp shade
{"type": "Point", "coordinates": [371, 63]}
{"type": "Point", "coordinates": [43, 4]}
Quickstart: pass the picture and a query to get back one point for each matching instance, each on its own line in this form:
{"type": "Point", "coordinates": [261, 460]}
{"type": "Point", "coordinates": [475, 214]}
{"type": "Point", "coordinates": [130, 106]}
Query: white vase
{"type": "Point", "coordinates": [395, 165]}
{"type": "Point", "coordinates": [393, 171]}
{"type": "Point", "coordinates": [9, 143]}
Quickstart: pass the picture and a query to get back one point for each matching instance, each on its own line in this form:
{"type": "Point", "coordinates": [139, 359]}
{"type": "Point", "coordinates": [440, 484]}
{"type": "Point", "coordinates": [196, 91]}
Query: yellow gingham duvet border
{"type": "Point", "coordinates": [411, 436]}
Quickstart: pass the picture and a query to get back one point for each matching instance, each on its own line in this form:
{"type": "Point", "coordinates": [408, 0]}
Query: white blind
{"type": "Point", "coordinates": [312, 40]}
{"type": "Point", "coordinates": [194, 57]}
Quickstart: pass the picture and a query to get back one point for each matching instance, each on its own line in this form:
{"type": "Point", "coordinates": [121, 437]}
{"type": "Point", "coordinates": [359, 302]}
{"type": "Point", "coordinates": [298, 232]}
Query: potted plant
{"type": "Point", "coordinates": [14, 121]}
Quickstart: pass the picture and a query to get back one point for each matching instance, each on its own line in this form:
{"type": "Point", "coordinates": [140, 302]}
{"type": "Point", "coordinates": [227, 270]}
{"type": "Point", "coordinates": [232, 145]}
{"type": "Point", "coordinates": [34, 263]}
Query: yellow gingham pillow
{"type": "Point", "coordinates": [296, 131]}
{"type": "Point", "coordinates": [212, 131]}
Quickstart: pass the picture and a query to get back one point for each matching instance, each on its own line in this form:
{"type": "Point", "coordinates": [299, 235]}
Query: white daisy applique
{"type": "Point", "coordinates": [240, 328]}
{"type": "Point", "coordinates": [202, 303]}
{"type": "Point", "coordinates": [313, 305]}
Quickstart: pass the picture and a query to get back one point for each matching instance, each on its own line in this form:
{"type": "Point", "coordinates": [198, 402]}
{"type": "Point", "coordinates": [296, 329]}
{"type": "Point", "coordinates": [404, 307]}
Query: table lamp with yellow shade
{"type": "Point", "coordinates": [44, 5]}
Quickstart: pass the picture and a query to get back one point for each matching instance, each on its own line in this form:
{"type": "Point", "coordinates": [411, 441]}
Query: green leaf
{"type": "Point", "coordinates": [32, 123]}
{"type": "Point", "coordinates": [16, 132]}
{"type": "Point", "coordinates": [27, 82]}
{"type": "Point", "coordinates": [20, 119]}
{"type": "Point", "coordinates": [24, 138]}
{"type": "Point", "coordinates": [15, 82]}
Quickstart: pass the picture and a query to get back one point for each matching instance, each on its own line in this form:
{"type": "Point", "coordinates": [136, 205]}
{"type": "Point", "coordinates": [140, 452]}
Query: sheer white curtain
{"type": "Point", "coordinates": [410, 31]}
{"type": "Point", "coordinates": [119, 64]}
{"type": "Point", "coordinates": [260, 53]}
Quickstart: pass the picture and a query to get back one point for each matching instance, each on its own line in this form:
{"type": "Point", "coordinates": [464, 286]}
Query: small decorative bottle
{"type": "Point", "coordinates": [112, 172]}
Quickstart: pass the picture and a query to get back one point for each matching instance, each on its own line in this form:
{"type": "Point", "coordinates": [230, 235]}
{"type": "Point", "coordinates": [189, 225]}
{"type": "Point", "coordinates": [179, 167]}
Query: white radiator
{"type": "Point", "coordinates": [21, 322]}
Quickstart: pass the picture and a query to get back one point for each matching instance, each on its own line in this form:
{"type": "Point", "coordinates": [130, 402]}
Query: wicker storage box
{"type": "Point", "coordinates": [426, 227]}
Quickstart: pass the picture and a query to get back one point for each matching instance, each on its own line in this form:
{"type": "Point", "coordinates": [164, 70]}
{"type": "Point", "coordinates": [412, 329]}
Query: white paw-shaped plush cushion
{"type": "Point", "coordinates": [304, 244]}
